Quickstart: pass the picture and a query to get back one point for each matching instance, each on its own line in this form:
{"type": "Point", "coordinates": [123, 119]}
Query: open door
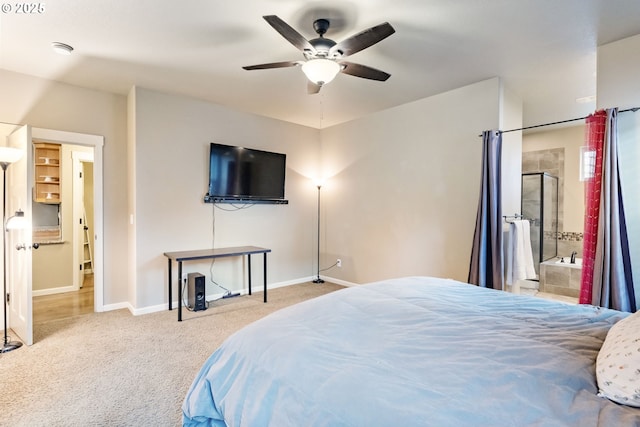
{"type": "Point", "coordinates": [19, 242]}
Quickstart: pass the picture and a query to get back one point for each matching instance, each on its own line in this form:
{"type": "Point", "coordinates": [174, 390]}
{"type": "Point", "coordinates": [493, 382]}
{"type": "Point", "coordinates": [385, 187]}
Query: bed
{"type": "Point", "coordinates": [415, 351]}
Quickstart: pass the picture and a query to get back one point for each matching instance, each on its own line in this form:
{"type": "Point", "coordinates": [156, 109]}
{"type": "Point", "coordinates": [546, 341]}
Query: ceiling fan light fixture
{"type": "Point", "coordinates": [320, 71]}
{"type": "Point", "coordinates": [61, 48]}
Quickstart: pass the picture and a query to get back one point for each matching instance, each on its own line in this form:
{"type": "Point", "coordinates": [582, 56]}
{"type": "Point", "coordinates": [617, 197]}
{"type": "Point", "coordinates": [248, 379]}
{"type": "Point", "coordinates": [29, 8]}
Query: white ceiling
{"type": "Point", "coordinates": [545, 50]}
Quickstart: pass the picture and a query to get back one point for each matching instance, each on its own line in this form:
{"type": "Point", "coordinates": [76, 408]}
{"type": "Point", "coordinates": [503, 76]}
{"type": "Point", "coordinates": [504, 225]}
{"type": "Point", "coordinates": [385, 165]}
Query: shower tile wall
{"type": "Point", "coordinates": [552, 162]}
{"type": "Point", "coordinates": [570, 242]}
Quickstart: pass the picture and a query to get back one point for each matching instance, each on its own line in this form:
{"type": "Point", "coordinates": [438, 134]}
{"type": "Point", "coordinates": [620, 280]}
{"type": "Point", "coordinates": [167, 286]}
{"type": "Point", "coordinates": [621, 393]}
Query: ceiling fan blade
{"type": "Point", "coordinates": [294, 37]}
{"type": "Point", "coordinates": [272, 65]}
{"type": "Point", "coordinates": [312, 88]}
{"type": "Point", "coordinates": [363, 71]}
{"type": "Point", "coordinates": [363, 39]}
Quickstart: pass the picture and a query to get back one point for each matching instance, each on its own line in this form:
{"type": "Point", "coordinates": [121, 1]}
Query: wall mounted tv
{"type": "Point", "coordinates": [245, 175]}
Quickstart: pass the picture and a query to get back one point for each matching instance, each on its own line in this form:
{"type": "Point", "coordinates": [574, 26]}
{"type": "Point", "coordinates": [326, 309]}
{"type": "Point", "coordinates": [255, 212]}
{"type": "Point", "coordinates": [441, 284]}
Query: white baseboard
{"type": "Point", "coordinates": [118, 306]}
{"type": "Point", "coordinates": [210, 297]}
{"type": "Point", "coordinates": [289, 282]}
{"type": "Point", "coordinates": [255, 288]}
{"type": "Point", "coordinates": [52, 291]}
{"type": "Point", "coordinates": [338, 281]}
{"type": "Point", "coordinates": [150, 309]}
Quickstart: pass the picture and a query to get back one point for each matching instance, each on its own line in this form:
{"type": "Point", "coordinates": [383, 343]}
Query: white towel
{"type": "Point", "coordinates": [519, 253]}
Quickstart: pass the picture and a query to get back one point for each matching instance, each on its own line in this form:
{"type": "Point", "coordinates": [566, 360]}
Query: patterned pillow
{"type": "Point", "coordinates": [618, 362]}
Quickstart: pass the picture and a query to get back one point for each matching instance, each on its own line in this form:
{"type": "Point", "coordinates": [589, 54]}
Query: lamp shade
{"type": "Point", "coordinates": [10, 154]}
{"type": "Point", "coordinates": [320, 71]}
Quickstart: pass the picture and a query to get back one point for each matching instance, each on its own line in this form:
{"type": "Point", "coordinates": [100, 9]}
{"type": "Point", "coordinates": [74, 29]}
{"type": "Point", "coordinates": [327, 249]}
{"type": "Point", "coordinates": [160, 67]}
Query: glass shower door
{"type": "Point", "coordinates": [540, 207]}
{"type": "Point", "coordinates": [549, 217]}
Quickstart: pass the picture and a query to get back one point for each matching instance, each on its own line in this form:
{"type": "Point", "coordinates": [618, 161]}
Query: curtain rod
{"type": "Point", "coordinates": [634, 109]}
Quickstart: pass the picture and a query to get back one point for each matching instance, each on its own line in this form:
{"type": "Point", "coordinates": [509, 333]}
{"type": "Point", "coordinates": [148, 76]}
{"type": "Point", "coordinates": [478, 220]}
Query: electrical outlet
{"type": "Point", "coordinates": [339, 262]}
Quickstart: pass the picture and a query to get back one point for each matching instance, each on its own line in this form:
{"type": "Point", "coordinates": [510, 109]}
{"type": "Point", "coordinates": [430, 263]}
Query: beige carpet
{"type": "Point", "coordinates": [115, 369]}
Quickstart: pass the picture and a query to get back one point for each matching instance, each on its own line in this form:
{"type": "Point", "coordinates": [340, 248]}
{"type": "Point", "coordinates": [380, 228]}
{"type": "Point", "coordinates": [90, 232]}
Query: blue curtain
{"type": "Point", "coordinates": [486, 267]}
{"type": "Point", "coordinates": [612, 278]}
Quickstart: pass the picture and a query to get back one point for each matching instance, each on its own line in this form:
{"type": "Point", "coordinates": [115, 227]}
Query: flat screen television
{"type": "Point", "coordinates": [245, 175]}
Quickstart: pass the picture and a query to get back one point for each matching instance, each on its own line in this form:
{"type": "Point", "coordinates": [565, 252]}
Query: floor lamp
{"type": "Point", "coordinates": [318, 279]}
{"type": "Point", "coordinates": [8, 155]}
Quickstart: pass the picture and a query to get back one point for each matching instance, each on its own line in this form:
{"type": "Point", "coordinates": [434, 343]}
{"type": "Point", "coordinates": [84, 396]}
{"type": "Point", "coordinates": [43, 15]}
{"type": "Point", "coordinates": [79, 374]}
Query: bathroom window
{"type": "Point", "coordinates": [587, 163]}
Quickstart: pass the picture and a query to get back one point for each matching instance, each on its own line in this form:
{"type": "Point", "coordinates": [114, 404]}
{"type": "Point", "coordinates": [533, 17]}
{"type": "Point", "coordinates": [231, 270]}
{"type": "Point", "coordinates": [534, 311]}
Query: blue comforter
{"type": "Point", "coordinates": [411, 352]}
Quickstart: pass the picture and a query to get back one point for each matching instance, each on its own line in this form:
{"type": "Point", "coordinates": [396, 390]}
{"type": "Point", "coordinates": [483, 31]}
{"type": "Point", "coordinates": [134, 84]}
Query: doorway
{"type": "Point", "coordinates": [20, 181]}
{"type": "Point", "coordinates": [83, 204]}
{"type": "Point", "coordinates": [62, 268]}
{"type": "Point", "coordinates": [95, 144]}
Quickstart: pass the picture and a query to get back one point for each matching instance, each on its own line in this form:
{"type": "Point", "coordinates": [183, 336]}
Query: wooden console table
{"type": "Point", "coordinates": [182, 256]}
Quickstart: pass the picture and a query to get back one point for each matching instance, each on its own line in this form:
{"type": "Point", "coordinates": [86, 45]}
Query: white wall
{"type": "Point", "coordinates": [619, 86]}
{"type": "Point", "coordinates": [47, 104]}
{"type": "Point", "coordinates": [385, 214]}
{"type": "Point", "coordinates": [171, 168]}
{"type": "Point", "coordinates": [511, 118]}
{"type": "Point", "coordinates": [131, 197]}
{"type": "Point", "coordinates": [403, 184]}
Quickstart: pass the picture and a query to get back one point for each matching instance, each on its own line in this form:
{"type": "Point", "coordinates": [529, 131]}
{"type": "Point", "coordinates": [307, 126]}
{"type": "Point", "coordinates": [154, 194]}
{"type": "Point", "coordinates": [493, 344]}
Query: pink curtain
{"type": "Point", "coordinates": [595, 131]}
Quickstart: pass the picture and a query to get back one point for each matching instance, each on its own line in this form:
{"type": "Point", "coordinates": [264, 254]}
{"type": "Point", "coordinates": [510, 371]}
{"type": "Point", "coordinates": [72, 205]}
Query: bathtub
{"type": "Point", "coordinates": [561, 278]}
{"type": "Point", "coordinates": [566, 262]}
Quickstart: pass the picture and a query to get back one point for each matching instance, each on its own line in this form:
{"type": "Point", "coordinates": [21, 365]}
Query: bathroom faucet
{"type": "Point", "coordinates": [573, 257]}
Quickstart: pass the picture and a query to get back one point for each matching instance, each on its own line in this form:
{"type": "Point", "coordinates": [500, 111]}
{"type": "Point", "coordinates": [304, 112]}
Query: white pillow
{"type": "Point", "coordinates": [618, 362]}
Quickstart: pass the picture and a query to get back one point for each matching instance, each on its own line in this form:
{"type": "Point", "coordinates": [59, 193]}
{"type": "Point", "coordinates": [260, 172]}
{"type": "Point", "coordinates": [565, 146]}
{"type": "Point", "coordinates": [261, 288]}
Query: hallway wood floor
{"type": "Point", "coordinates": [65, 305]}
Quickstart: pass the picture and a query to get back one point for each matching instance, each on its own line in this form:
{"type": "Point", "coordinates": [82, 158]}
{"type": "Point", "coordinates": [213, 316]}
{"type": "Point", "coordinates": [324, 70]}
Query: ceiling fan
{"type": "Point", "coordinates": [324, 57]}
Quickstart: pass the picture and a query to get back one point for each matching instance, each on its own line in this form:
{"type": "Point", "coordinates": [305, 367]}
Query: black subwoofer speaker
{"type": "Point", "coordinates": [195, 292]}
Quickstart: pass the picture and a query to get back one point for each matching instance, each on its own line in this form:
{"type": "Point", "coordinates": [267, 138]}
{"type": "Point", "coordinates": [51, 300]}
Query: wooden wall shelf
{"type": "Point", "coordinates": [47, 172]}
